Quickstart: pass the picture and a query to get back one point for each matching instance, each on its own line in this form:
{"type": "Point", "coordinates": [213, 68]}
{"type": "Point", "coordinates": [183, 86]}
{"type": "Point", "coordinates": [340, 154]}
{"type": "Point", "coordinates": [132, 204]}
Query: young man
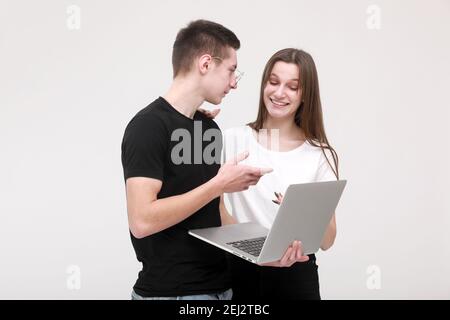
{"type": "Point", "coordinates": [171, 190]}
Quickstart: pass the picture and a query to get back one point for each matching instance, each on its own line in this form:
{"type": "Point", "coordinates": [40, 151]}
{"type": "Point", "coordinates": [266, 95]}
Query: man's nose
{"type": "Point", "coordinates": [233, 84]}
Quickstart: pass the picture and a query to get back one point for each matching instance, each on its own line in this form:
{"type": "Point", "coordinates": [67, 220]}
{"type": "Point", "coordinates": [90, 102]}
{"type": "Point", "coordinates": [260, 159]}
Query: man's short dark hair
{"type": "Point", "coordinates": [198, 38]}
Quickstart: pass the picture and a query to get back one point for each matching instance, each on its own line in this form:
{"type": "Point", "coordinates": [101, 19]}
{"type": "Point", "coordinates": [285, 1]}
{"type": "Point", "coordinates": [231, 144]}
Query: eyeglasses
{"type": "Point", "coordinates": [237, 74]}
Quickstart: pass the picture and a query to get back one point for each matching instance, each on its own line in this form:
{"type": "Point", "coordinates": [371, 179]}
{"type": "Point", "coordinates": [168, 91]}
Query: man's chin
{"type": "Point", "coordinates": [215, 102]}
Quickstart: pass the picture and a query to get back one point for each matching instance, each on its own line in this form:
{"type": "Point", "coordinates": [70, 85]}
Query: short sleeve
{"type": "Point", "coordinates": [144, 148]}
{"type": "Point", "coordinates": [324, 170]}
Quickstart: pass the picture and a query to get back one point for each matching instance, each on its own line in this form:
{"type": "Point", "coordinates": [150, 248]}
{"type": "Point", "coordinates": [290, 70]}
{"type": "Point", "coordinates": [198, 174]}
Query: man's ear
{"type": "Point", "coordinates": [203, 63]}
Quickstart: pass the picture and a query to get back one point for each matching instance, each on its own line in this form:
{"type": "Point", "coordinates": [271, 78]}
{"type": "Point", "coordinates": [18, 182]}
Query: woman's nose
{"type": "Point", "coordinates": [279, 92]}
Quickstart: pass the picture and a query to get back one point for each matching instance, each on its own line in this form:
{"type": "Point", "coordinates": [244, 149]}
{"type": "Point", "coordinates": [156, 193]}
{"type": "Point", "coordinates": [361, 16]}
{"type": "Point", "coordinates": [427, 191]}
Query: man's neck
{"type": "Point", "coordinates": [184, 96]}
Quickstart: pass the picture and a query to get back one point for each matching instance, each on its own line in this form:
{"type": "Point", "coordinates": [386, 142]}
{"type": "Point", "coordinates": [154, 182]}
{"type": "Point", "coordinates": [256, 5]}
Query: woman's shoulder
{"type": "Point", "coordinates": [326, 153]}
{"type": "Point", "coordinates": [314, 145]}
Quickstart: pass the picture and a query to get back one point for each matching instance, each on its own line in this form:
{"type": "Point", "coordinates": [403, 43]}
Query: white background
{"type": "Point", "coordinates": [67, 94]}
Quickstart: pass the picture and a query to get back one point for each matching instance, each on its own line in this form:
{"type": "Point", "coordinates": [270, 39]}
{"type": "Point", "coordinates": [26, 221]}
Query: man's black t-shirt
{"type": "Point", "coordinates": [175, 263]}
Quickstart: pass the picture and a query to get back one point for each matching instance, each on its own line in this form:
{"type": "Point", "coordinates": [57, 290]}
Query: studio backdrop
{"type": "Point", "coordinates": [73, 73]}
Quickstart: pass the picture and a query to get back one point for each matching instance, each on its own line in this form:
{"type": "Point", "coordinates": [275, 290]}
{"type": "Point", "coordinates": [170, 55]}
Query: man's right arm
{"type": "Point", "coordinates": [148, 215]}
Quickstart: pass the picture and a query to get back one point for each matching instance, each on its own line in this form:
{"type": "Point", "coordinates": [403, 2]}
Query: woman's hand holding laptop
{"type": "Point", "coordinates": [292, 255]}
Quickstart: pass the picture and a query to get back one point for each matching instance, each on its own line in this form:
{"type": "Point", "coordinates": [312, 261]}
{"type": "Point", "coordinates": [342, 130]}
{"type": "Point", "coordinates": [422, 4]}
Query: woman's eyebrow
{"type": "Point", "coordinates": [293, 79]}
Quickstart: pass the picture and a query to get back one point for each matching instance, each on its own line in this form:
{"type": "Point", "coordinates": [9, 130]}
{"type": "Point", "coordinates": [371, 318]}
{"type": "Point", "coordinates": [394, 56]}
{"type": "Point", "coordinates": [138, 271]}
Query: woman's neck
{"type": "Point", "coordinates": [280, 135]}
{"type": "Point", "coordinates": [287, 129]}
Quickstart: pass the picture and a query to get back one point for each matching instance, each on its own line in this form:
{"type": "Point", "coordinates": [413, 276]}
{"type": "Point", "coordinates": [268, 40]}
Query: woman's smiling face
{"type": "Point", "coordinates": [282, 94]}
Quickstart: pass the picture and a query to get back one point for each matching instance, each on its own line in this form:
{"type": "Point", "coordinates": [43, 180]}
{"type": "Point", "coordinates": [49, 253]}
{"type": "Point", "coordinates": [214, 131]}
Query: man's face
{"type": "Point", "coordinates": [221, 77]}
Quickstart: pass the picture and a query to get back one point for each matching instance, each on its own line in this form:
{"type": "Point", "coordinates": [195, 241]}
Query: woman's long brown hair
{"type": "Point", "coordinates": [309, 115]}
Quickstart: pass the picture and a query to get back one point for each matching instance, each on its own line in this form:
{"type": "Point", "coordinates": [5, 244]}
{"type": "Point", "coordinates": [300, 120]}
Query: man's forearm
{"type": "Point", "coordinates": [164, 213]}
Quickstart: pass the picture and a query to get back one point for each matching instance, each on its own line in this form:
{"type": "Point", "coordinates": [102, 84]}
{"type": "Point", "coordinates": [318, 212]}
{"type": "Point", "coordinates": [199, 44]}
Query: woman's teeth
{"type": "Point", "coordinates": [280, 104]}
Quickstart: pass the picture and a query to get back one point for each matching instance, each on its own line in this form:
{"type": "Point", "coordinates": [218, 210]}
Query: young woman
{"type": "Point", "coordinates": [288, 135]}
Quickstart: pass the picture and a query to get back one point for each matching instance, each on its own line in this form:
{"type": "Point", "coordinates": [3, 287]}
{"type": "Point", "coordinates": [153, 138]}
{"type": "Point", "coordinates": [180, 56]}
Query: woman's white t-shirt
{"type": "Point", "coordinates": [303, 164]}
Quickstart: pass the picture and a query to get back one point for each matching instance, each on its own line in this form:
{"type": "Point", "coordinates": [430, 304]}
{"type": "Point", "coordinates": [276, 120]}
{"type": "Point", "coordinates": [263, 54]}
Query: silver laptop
{"type": "Point", "coordinates": [303, 215]}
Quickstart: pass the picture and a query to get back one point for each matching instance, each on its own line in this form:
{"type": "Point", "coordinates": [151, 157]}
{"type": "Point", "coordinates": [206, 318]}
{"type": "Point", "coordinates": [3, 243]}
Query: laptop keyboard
{"type": "Point", "coordinates": [250, 246]}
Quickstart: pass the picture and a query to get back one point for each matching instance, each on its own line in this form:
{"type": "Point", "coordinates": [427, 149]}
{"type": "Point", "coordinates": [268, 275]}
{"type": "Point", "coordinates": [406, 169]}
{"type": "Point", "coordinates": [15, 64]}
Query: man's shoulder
{"type": "Point", "coordinates": [154, 111]}
{"type": "Point", "coordinates": [150, 118]}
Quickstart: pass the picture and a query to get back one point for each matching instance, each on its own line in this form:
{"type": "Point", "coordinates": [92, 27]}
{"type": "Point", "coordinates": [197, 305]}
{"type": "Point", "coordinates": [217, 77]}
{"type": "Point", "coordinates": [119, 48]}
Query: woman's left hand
{"type": "Point", "coordinates": [292, 255]}
{"type": "Point", "coordinates": [279, 197]}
